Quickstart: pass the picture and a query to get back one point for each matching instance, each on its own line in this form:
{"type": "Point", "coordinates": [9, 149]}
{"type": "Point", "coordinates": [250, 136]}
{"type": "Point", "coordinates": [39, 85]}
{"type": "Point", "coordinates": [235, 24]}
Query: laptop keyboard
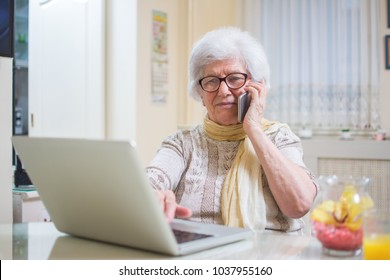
{"type": "Point", "coordinates": [185, 236]}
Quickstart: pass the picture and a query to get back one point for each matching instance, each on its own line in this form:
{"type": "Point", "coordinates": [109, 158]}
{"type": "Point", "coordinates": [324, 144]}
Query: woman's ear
{"type": "Point", "coordinates": [201, 97]}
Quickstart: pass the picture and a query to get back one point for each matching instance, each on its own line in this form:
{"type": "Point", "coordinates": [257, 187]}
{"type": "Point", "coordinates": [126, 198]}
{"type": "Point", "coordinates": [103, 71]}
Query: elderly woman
{"type": "Point", "coordinates": [248, 174]}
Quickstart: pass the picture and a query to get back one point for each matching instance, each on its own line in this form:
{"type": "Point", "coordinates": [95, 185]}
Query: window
{"type": "Point", "coordinates": [324, 58]}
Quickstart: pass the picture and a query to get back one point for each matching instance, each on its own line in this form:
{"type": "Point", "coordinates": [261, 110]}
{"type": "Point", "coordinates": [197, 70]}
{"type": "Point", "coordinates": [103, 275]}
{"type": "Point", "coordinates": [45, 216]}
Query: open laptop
{"type": "Point", "coordinates": [98, 189]}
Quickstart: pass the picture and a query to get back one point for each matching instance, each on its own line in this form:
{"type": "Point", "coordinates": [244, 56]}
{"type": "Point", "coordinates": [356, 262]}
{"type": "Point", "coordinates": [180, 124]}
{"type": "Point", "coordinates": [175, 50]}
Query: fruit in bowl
{"type": "Point", "coordinates": [338, 237]}
{"type": "Point", "coordinates": [337, 224]}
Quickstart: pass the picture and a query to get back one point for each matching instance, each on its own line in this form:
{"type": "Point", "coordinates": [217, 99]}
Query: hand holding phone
{"type": "Point", "coordinates": [244, 100]}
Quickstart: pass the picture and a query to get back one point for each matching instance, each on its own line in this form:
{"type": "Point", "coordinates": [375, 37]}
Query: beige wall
{"type": "Point", "coordinates": [6, 180]}
{"type": "Point", "coordinates": [155, 120]}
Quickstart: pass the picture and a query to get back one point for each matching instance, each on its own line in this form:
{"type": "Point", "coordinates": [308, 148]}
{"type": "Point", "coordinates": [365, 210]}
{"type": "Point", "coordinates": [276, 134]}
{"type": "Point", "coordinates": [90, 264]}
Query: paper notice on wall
{"type": "Point", "coordinates": [159, 57]}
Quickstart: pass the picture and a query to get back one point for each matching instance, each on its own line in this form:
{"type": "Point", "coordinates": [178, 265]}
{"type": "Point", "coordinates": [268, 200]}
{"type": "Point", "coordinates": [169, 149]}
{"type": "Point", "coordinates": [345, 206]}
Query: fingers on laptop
{"type": "Point", "coordinates": [183, 212]}
{"type": "Point", "coordinates": [169, 206]}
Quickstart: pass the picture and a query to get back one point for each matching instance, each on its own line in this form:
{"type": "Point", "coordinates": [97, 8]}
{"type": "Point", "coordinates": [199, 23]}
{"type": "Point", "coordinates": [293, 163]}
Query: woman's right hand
{"type": "Point", "coordinates": [169, 206]}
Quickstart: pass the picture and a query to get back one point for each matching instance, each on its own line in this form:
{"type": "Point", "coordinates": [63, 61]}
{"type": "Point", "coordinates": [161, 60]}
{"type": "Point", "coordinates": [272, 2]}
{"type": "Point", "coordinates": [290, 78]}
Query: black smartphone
{"type": "Point", "coordinates": [244, 100]}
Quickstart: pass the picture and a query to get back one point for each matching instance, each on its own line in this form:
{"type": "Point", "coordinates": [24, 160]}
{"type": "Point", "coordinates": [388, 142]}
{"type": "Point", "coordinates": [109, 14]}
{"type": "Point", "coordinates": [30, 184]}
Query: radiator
{"type": "Point", "coordinates": [377, 170]}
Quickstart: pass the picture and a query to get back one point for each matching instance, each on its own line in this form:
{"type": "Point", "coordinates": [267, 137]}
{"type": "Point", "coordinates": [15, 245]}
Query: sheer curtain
{"type": "Point", "coordinates": [324, 58]}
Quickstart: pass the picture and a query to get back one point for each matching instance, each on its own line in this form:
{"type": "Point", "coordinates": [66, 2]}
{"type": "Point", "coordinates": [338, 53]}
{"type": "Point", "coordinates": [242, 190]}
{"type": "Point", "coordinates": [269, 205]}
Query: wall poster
{"type": "Point", "coordinates": [159, 57]}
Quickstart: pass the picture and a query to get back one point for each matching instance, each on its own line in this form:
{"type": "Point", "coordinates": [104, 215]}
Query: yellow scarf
{"type": "Point", "coordinates": [242, 199]}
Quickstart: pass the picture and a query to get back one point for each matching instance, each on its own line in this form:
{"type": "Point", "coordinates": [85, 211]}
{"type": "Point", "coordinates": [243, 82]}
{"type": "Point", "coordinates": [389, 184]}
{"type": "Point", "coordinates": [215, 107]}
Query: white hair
{"type": "Point", "coordinates": [223, 44]}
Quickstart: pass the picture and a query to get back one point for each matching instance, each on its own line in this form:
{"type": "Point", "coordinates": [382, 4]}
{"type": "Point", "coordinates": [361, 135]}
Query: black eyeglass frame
{"type": "Point", "coordinates": [223, 80]}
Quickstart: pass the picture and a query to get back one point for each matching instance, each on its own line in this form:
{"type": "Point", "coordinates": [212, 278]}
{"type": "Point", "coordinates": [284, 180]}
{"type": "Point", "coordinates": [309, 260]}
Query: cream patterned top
{"type": "Point", "coordinates": [195, 166]}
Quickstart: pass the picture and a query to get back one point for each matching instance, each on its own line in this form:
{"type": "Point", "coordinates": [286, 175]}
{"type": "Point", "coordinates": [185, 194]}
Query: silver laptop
{"type": "Point", "coordinates": [98, 189]}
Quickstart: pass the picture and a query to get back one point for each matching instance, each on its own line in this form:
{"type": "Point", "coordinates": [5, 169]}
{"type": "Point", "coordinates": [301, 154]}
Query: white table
{"type": "Point", "coordinates": [42, 241]}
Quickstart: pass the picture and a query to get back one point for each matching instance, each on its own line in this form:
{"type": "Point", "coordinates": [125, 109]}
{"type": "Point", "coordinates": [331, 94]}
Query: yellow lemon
{"type": "Point", "coordinates": [328, 206]}
{"type": "Point", "coordinates": [319, 215]}
{"type": "Point", "coordinates": [324, 212]}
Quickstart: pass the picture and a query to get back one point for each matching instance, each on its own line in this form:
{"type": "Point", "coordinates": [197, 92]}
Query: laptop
{"type": "Point", "coordinates": [98, 189]}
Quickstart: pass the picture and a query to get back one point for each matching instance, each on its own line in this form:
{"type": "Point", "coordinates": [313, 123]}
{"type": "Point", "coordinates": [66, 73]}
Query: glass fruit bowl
{"type": "Point", "coordinates": [337, 215]}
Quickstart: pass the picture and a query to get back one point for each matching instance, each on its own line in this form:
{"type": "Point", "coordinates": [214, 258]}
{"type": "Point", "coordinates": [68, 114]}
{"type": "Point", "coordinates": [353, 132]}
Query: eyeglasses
{"type": "Point", "coordinates": [233, 81]}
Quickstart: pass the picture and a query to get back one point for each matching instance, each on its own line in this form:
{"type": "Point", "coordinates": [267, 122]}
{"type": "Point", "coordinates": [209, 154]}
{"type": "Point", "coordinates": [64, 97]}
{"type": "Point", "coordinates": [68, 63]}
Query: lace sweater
{"type": "Point", "coordinates": [195, 166]}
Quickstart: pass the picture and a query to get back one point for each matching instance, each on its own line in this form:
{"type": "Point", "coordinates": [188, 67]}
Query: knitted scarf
{"type": "Point", "coordinates": [242, 199]}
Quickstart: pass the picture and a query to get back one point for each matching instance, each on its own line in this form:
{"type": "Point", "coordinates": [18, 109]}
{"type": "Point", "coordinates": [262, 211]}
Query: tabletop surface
{"type": "Point", "coordinates": [41, 241]}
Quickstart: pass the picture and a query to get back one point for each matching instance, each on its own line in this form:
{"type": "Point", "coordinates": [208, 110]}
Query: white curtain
{"type": "Point", "coordinates": [324, 58]}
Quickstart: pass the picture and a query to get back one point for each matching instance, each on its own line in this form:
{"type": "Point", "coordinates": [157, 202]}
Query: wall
{"type": "Point", "coordinates": [156, 120]}
{"type": "Point", "coordinates": [121, 75]}
{"type": "Point", "coordinates": [6, 180]}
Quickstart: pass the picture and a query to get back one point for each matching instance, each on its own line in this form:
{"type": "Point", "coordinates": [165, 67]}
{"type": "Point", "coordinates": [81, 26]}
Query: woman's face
{"type": "Point", "coordinates": [221, 105]}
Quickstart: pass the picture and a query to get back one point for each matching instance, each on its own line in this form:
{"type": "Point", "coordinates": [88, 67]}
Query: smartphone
{"type": "Point", "coordinates": [244, 100]}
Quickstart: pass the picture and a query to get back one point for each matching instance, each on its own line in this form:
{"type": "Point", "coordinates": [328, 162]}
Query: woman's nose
{"type": "Point", "coordinates": [223, 89]}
